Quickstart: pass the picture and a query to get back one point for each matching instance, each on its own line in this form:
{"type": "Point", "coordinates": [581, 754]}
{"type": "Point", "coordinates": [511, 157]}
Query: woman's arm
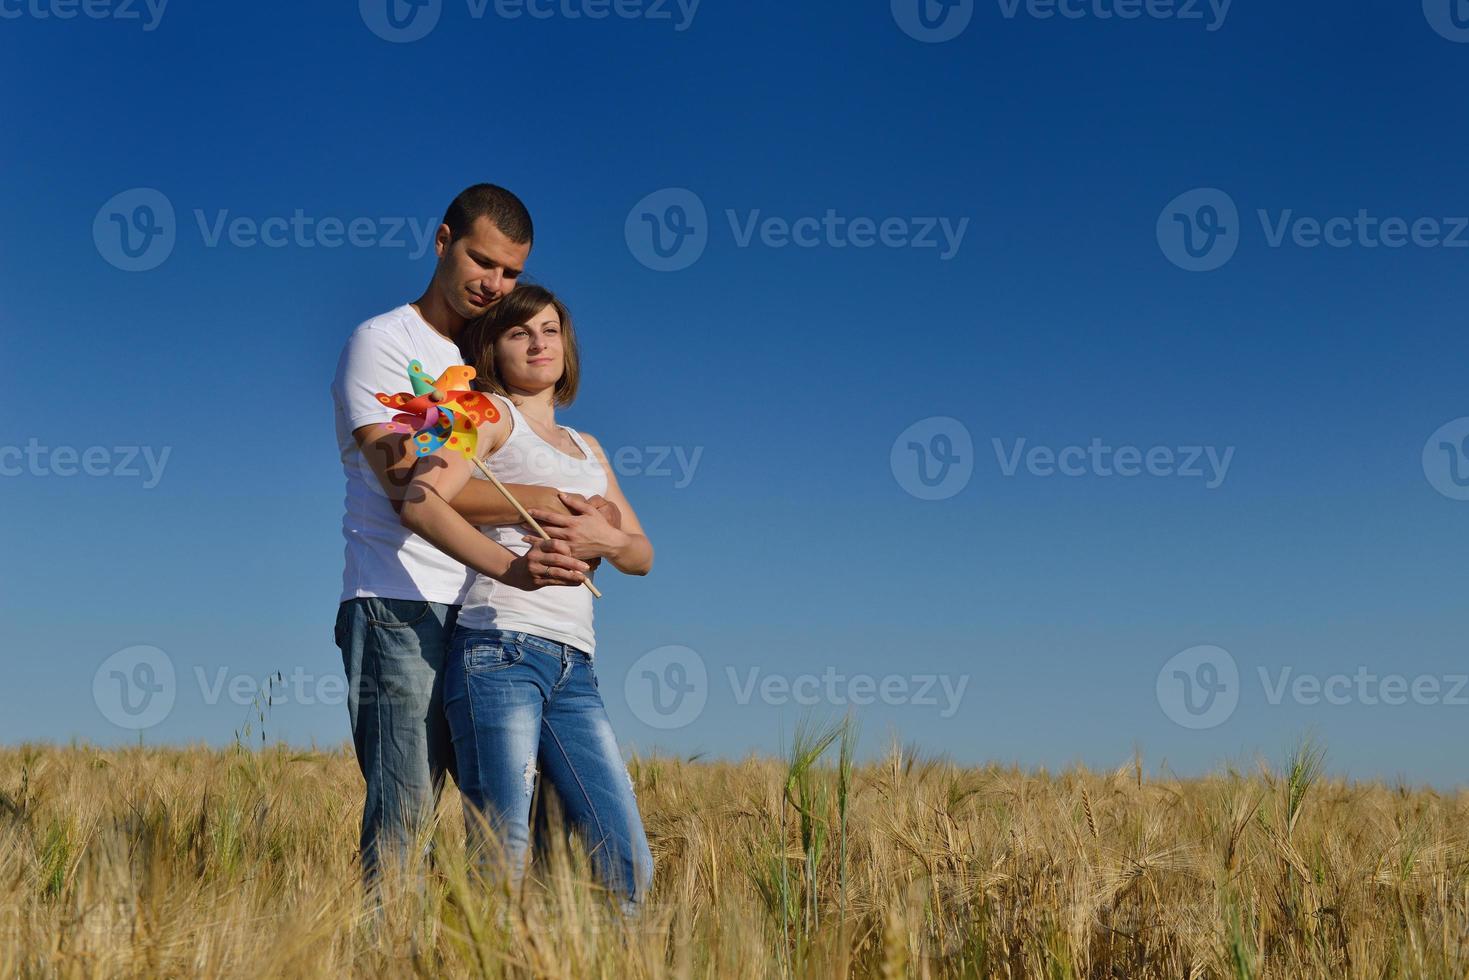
{"type": "Point", "coordinates": [481, 504]}
{"type": "Point", "coordinates": [590, 536]}
{"type": "Point", "coordinates": [427, 512]}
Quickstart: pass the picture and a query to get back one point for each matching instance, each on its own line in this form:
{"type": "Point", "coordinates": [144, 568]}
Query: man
{"type": "Point", "coordinates": [400, 594]}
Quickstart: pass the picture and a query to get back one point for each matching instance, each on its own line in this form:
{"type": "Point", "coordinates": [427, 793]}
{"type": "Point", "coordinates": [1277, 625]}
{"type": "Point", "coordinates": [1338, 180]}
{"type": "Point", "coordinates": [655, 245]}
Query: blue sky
{"type": "Point", "coordinates": [1067, 157]}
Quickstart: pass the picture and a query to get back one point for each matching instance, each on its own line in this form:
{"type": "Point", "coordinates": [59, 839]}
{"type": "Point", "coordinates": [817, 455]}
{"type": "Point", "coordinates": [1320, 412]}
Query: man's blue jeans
{"type": "Point", "coordinates": [394, 651]}
{"type": "Point", "coordinates": [519, 704]}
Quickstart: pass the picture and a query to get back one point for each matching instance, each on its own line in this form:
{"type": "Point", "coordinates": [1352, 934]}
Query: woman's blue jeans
{"type": "Point", "coordinates": [520, 705]}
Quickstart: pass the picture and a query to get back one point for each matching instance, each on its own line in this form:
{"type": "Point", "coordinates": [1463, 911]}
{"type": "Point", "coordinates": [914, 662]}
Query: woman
{"type": "Point", "coordinates": [519, 687]}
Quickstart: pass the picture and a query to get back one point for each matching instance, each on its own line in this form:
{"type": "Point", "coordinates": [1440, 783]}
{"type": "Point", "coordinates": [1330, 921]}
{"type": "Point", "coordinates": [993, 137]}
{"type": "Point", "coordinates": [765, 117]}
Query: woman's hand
{"type": "Point", "coordinates": [546, 563]}
{"type": "Point", "coordinates": [585, 530]}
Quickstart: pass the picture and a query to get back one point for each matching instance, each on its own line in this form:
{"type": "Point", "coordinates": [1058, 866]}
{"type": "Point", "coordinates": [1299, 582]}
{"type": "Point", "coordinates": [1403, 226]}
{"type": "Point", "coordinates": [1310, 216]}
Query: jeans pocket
{"type": "Point", "coordinates": [492, 655]}
{"type": "Point", "coordinates": [396, 614]}
{"type": "Point", "coordinates": [342, 626]}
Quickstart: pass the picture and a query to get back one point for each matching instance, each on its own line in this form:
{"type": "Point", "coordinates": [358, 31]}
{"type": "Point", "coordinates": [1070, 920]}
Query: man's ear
{"type": "Point", "coordinates": [443, 238]}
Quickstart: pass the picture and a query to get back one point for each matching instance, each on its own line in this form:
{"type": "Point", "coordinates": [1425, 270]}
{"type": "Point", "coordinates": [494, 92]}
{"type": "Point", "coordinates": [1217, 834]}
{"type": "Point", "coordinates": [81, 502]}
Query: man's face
{"type": "Point", "coordinates": [479, 269]}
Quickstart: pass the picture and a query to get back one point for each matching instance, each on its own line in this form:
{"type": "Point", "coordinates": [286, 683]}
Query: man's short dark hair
{"type": "Point", "coordinates": [504, 209]}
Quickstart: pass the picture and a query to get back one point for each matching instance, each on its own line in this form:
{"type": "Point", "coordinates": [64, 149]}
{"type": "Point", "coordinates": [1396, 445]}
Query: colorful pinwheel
{"type": "Point", "coordinates": [454, 422]}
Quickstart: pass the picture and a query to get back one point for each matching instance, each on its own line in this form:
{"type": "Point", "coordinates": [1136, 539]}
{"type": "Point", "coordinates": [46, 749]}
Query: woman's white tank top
{"type": "Point", "coordinates": [558, 612]}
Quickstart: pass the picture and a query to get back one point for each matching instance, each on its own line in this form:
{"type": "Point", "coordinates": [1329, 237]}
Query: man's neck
{"type": "Point", "coordinates": [437, 314]}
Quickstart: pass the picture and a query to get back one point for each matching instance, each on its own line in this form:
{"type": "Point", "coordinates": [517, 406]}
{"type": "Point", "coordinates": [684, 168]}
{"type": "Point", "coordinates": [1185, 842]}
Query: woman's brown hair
{"type": "Point", "coordinates": [516, 309]}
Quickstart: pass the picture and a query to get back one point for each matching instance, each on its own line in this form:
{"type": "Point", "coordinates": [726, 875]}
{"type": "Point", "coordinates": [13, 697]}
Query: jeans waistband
{"type": "Point", "coordinates": [533, 642]}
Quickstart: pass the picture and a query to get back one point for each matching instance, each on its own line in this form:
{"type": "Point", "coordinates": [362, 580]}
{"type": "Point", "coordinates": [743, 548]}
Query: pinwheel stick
{"type": "Point", "coordinates": [523, 512]}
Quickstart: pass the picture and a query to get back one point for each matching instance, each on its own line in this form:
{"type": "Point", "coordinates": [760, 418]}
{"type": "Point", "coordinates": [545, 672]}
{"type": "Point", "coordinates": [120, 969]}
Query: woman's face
{"type": "Point", "coordinates": [530, 356]}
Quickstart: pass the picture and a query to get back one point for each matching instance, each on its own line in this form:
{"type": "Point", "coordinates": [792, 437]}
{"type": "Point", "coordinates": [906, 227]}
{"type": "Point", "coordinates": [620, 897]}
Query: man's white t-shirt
{"type": "Point", "coordinates": [385, 559]}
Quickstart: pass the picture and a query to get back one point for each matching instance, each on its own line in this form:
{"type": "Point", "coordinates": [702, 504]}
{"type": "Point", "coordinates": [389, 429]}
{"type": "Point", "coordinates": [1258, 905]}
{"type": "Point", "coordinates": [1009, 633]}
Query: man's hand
{"type": "Point", "coordinates": [586, 530]}
{"type": "Point", "coordinates": [610, 511]}
{"type": "Point", "coordinates": [546, 563]}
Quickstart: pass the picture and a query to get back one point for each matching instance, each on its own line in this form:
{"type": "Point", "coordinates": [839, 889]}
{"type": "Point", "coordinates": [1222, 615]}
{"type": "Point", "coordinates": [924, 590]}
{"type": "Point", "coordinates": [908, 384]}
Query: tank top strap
{"type": "Point", "coordinates": [577, 438]}
{"type": "Point", "coordinates": [515, 415]}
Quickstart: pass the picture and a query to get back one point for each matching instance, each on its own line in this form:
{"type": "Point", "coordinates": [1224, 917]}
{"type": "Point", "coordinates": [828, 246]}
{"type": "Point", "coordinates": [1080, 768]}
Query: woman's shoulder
{"type": "Point", "coordinates": [505, 411]}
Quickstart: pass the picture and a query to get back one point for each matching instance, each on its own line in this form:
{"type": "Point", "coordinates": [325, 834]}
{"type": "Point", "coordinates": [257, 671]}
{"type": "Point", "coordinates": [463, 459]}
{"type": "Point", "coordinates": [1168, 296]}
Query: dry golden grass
{"type": "Point", "coordinates": [229, 863]}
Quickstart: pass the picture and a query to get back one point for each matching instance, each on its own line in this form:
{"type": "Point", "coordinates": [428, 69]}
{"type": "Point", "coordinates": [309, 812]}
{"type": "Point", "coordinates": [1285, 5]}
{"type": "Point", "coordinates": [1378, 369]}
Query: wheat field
{"type": "Point", "coordinates": [183, 862]}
